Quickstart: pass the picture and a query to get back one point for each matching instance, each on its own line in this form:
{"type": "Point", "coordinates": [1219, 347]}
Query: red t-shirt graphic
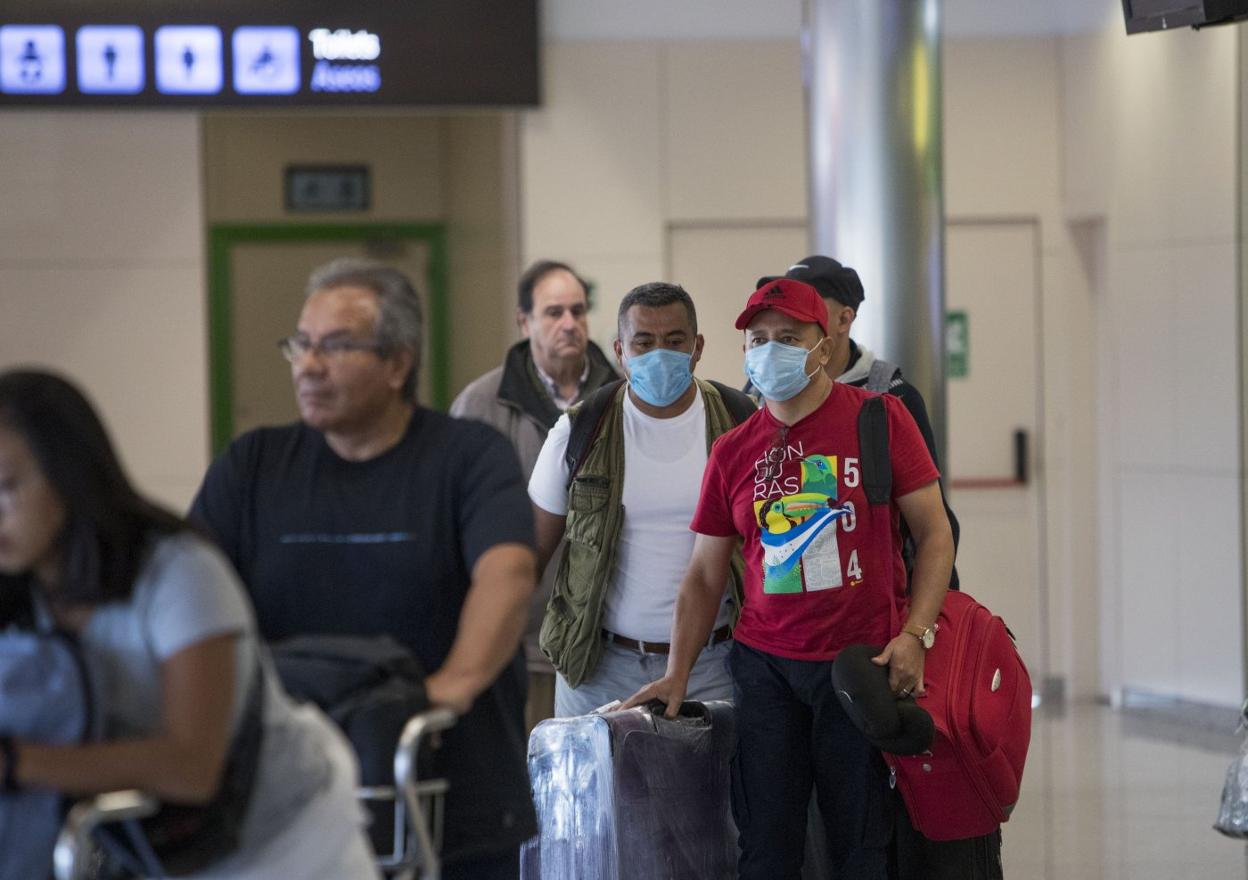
{"type": "Point", "coordinates": [795, 495]}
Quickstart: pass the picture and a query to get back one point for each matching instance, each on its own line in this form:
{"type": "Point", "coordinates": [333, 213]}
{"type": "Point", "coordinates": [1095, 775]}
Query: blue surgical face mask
{"type": "Point", "coordinates": [660, 376]}
{"type": "Point", "coordinates": [777, 370]}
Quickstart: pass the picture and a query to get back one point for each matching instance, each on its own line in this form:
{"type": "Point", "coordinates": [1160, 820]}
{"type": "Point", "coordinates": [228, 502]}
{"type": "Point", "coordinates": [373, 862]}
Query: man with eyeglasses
{"type": "Point", "coordinates": [374, 515]}
{"type": "Point", "coordinates": [819, 576]}
{"type": "Point", "coordinates": [555, 365]}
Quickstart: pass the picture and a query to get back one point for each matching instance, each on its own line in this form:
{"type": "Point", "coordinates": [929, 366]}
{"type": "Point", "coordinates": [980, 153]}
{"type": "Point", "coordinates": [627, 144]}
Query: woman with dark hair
{"type": "Point", "coordinates": [164, 623]}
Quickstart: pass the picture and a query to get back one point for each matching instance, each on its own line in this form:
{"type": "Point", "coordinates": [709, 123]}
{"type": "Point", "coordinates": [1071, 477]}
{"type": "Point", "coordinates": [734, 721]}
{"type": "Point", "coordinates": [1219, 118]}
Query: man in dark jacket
{"type": "Point", "coordinates": [553, 367]}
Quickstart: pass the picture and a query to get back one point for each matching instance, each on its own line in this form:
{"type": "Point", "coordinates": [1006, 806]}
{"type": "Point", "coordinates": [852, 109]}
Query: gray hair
{"type": "Point", "coordinates": [400, 319]}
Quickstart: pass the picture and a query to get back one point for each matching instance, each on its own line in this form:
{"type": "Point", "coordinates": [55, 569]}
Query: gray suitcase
{"type": "Point", "coordinates": [633, 796]}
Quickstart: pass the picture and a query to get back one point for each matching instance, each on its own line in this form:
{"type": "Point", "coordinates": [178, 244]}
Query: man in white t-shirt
{"type": "Point", "coordinates": [626, 510]}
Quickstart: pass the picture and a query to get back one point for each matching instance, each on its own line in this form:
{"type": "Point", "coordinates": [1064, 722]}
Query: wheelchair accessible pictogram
{"type": "Point", "coordinates": [266, 60]}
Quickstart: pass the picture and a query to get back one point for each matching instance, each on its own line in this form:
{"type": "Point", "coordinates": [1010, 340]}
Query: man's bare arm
{"type": "Point", "coordinates": [491, 624]}
{"type": "Point", "coordinates": [924, 511]}
{"type": "Point", "coordinates": [549, 529]}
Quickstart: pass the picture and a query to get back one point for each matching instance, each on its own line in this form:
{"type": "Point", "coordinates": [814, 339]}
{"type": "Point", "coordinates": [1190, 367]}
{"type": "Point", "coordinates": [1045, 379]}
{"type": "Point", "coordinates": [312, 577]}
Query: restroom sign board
{"type": "Point", "coordinates": [957, 345]}
{"type": "Point", "coordinates": [281, 53]}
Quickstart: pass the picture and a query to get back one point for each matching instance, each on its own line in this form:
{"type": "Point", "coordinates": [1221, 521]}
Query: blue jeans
{"type": "Point", "coordinates": [623, 671]}
{"type": "Point", "coordinates": [792, 733]}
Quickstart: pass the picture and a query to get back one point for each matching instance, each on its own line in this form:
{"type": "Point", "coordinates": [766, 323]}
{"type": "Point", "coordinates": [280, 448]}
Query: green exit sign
{"type": "Point", "coordinates": [957, 345]}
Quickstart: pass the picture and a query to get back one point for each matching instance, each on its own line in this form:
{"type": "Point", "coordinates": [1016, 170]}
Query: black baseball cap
{"type": "Point", "coordinates": [892, 724]}
{"type": "Point", "coordinates": [826, 275]}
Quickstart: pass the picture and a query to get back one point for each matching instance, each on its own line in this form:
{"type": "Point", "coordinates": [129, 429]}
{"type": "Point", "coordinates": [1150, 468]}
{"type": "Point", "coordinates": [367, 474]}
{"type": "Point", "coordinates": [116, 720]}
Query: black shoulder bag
{"type": "Point", "coordinates": [182, 839]}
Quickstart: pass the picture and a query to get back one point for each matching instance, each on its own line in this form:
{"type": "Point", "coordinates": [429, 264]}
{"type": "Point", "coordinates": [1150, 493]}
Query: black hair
{"type": "Point", "coordinates": [532, 277]}
{"type": "Point", "coordinates": [656, 294]}
{"type": "Point", "coordinates": [108, 526]}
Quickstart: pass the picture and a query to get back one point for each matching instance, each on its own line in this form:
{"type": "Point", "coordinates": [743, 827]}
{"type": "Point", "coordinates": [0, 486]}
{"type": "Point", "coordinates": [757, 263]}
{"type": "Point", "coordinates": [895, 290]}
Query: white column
{"type": "Point", "coordinates": [873, 90]}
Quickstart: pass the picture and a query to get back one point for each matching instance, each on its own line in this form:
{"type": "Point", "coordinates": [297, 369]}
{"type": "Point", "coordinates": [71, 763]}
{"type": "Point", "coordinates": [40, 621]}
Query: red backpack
{"type": "Point", "coordinates": [978, 693]}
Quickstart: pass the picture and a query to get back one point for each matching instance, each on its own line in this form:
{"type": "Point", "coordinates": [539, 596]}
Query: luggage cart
{"type": "Point", "coordinates": [419, 812]}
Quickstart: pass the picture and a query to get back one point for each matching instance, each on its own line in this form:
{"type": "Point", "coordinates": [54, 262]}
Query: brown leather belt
{"type": "Point", "coordinates": [723, 634]}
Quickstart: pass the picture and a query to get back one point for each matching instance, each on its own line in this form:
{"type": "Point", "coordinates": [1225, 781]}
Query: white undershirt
{"type": "Point", "coordinates": [663, 464]}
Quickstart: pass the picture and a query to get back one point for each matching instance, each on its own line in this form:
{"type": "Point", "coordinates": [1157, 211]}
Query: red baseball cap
{"type": "Point", "coordinates": [795, 298]}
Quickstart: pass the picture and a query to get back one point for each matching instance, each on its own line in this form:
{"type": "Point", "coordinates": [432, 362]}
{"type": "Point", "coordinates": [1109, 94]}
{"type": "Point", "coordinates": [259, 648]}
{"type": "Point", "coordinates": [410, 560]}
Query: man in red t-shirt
{"type": "Point", "coordinates": [819, 576]}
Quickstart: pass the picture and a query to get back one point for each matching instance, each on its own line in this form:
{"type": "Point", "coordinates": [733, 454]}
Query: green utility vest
{"type": "Point", "coordinates": [571, 633]}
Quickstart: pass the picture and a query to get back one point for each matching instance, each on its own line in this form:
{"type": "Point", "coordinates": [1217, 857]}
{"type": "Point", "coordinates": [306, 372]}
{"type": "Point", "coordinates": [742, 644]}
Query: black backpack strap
{"type": "Point", "coordinates": [585, 420]}
{"type": "Point", "coordinates": [739, 404]}
{"type": "Point", "coordinates": [877, 467]}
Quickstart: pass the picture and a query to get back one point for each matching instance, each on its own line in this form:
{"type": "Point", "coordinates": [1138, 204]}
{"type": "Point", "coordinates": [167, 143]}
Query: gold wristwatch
{"type": "Point", "coordinates": [925, 634]}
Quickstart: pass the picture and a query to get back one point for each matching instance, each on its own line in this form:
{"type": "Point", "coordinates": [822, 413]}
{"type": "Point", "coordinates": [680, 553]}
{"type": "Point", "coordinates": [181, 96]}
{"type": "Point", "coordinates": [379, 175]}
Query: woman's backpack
{"type": "Point", "coordinates": [182, 839]}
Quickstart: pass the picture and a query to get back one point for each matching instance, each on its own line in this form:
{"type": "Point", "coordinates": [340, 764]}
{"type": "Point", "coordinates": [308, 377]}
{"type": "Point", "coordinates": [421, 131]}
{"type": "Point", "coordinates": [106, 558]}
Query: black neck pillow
{"type": "Point", "coordinates": [892, 724]}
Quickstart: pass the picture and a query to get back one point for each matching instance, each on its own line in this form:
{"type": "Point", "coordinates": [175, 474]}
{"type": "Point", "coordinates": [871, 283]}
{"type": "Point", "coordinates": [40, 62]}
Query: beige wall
{"type": "Point", "coordinates": [591, 169]}
{"type": "Point", "coordinates": [1124, 149]}
{"type": "Point", "coordinates": [246, 154]}
{"type": "Point", "coordinates": [102, 276]}
{"type": "Point", "coordinates": [1152, 147]}
{"type": "Point", "coordinates": [479, 162]}
{"type": "Point", "coordinates": [455, 170]}
{"type": "Point", "coordinates": [1003, 158]}
{"type": "Point", "coordinates": [636, 138]}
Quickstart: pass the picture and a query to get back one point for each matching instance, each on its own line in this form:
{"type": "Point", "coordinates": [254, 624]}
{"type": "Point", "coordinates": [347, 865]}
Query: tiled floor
{"type": "Point", "coordinates": [1111, 795]}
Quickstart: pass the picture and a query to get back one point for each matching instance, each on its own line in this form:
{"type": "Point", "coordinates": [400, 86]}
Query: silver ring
{"type": "Point", "coordinates": [906, 692]}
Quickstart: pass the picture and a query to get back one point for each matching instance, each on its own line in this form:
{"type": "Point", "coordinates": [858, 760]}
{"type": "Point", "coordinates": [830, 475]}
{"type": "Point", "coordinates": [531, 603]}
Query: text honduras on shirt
{"type": "Point", "coordinates": [812, 579]}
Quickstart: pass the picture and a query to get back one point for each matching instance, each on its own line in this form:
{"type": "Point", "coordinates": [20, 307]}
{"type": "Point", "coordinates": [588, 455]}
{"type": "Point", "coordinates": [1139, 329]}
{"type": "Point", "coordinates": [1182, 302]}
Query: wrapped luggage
{"type": "Point", "coordinates": [627, 795]}
{"type": "Point", "coordinates": [1232, 817]}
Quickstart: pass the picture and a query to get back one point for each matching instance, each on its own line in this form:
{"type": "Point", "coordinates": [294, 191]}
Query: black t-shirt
{"type": "Point", "coordinates": [387, 545]}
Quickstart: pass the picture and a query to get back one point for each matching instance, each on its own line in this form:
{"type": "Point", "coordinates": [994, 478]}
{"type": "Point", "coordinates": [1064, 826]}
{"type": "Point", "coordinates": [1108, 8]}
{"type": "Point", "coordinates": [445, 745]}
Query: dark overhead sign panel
{"type": "Point", "coordinates": [1161, 15]}
{"type": "Point", "coordinates": [290, 53]}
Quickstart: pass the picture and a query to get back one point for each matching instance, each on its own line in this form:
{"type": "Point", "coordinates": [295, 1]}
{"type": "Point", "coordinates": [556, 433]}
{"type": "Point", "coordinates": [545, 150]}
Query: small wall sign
{"type": "Point", "coordinates": [329, 188]}
{"type": "Point", "coordinates": [957, 345]}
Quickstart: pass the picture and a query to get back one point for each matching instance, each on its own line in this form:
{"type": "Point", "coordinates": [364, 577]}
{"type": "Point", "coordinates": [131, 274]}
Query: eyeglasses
{"type": "Point", "coordinates": [775, 455]}
{"type": "Point", "coordinates": [295, 347]}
